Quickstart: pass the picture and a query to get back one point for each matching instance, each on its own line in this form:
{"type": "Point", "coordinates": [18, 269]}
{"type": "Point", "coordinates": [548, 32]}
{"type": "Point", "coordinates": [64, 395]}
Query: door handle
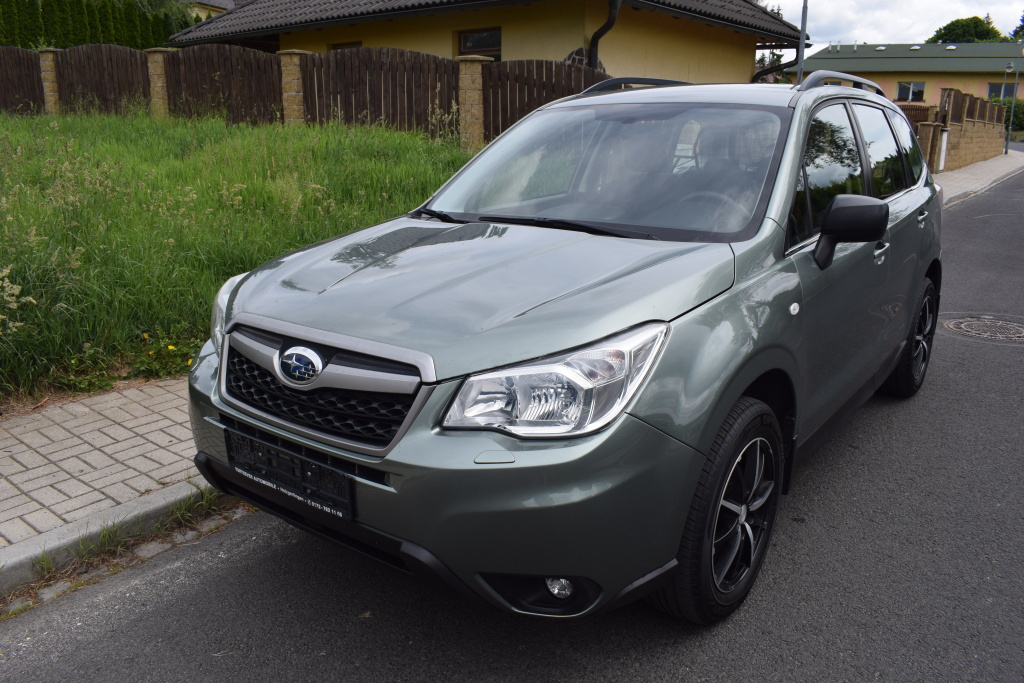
{"type": "Point", "coordinates": [881, 249]}
{"type": "Point", "coordinates": [921, 217]}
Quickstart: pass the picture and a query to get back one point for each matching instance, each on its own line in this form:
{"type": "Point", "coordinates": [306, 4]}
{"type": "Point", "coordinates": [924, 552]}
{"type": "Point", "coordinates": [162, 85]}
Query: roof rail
{"type": "Point", "coordinates": [818, 78]}
{"type": "Point", "coordinates": [613, 83]}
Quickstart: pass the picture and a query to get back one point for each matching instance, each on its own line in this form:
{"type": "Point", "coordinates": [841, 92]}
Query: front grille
{"type": "Point", "coordinates": [370, 418]}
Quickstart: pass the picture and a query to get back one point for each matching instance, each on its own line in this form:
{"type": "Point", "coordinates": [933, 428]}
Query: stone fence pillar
{"type": "Point", "coordinates": [48, 72]}
{"type": "Point", "coordinates": [158, 107]}
{"type": "Point", "coordinates": [471, 101]}
{"type": "Point", "coordinates": [291, 86]}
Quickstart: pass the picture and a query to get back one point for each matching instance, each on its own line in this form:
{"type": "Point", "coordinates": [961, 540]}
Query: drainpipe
{"type": "Point", "coordinates": [613, 15]}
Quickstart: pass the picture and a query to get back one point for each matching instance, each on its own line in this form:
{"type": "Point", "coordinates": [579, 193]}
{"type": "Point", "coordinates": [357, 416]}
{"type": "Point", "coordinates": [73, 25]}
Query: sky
{"type": "Point", "coordinates": [891, 21]}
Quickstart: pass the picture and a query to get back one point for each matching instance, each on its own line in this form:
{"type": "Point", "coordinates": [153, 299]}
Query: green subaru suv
{"type": "Point", "coordinates": [581, 373]}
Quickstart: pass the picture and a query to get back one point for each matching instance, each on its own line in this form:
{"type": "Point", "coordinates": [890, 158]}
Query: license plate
{"type": "Point", "coordinates": [312, 483]}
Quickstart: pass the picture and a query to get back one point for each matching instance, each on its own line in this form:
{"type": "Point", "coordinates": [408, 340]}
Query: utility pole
{"type": "Point", "coordinates": [800, 47]}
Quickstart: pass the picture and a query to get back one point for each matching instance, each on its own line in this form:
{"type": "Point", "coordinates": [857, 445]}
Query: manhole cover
{"type": "Point", "coordinates": [986, 327]}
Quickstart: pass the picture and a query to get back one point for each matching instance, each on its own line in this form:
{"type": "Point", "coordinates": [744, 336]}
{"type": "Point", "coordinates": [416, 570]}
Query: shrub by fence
{"type": "Point", "coordinates": [514, 89]}
{"type": "Point", "coordinates": [102, 77]}
{"type": "Point", "coordinates": [243, 83]}
{"type": "Point", "coordinates": [403, 89]}
{"type": "Point", "coordinates": [21, 88]}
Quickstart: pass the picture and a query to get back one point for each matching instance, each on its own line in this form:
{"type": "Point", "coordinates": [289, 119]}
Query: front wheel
{"type": "Point", "coordinates": [731, 518]}
{"type": "Point", "coordinates": [908, 376]}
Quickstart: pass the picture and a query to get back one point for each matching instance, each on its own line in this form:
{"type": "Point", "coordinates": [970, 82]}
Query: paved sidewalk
{"type": "Point", "coordinates": [116, 457]}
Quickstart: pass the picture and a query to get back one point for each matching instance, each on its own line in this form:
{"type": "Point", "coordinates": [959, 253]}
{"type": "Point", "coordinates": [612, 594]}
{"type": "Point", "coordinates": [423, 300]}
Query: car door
{"type": "Point", "coordinates": [842, 328]}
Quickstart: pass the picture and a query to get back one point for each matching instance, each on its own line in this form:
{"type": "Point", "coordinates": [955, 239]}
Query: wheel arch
{"type": "Point", "coordinates": [934, 273]}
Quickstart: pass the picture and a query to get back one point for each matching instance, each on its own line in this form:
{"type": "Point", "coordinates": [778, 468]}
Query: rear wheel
{"type": "Point", "coordinates": [908, 376]}
{"type": "Point", "coordinates": [730, 522]}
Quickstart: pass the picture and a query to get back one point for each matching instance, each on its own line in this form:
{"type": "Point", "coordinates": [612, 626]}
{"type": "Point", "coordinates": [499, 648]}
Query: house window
{"type": "Point", "coordinates": [998, 90]}
{"type": "Point", "coordinates": [910, 92]}
{"type": "Point", "coordinates": [346, 46]}
{"type": "Point", "coordinates": [485, 42]}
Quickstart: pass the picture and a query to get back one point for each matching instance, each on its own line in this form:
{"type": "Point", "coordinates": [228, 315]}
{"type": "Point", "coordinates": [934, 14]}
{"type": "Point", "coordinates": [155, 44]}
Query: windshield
{"type": "Point", "coordinates": [676, 171]}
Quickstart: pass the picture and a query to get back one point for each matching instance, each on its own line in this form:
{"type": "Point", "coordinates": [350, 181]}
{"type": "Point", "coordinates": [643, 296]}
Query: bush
{"type": "Point", "coordinates": [1018, 113]}
{"type": "Point", "coordinates": [116, 232]}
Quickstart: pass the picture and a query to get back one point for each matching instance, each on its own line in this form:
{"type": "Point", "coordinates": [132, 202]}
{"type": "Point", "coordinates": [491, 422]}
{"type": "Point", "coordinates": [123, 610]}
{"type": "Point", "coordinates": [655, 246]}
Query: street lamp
{"type": "Point", "coordinates": [1013, 105]}
{"type": "Point", "coordinates": [1006, 72]}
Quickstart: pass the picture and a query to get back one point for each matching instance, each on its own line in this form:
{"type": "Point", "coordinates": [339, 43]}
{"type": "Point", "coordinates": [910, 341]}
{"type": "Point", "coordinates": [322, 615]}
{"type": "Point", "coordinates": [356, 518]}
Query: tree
{"type": "Point", "coordinates": [132, 36]}
{"type": "Point", "coordinates": [4, 40]}
{"type": "Point", "coordinates": [1018, 33]}
{"type": "Point", "coordinates": [107, 32]}
{"type": "Point", "coordinates": [92, 15]}
{"type": "Point", "coordinates": [78, 26]}
{"type": "Point", "coordinates": [31, 24]}
{"type": "Point", "coordinates": [156, 29]}
{"type": "Point", "coordinates": [11, 25]}
{"type": "Point", "coordinates": [968, 30]}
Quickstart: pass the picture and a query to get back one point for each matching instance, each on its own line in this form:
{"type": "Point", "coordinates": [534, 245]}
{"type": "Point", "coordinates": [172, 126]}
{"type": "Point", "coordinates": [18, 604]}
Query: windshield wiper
{"type": "Point", "coordinates": [433, 213]}
{"type": "Point", "coordinates": [563, 224]}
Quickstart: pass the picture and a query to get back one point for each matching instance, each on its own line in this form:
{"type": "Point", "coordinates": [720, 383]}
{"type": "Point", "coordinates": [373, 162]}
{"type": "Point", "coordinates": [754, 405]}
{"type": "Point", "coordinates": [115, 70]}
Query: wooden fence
{"type": "Point", "coordinates": [21, 88]}
{"type": "Point", "coordinates": [107, 78]}
{"type": "Point", "coordinates": [513, 89]}
{"type": "Point", "coordinates": [242, 83]}
{"type": "Point", "coordinates": [403, 89]}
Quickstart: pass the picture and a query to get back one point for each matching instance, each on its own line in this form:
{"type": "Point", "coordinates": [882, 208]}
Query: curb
{"type": "Point", "coordinates": [18, 561]}
{"type": "Point", "coordinates": [967, 194]}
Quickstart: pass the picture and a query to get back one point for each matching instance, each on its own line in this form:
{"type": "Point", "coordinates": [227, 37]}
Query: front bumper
{"type": "Point", "coordinates": [489, 514]}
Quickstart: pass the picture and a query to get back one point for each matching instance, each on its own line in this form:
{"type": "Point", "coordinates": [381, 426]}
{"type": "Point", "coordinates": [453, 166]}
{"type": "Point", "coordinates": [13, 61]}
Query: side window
{"type": "Point", "coordinates": [883, 154]}
{"type": "Point", "coordinates": [908, 142]}
{"type": "Point", "coordinates": [831, 166]}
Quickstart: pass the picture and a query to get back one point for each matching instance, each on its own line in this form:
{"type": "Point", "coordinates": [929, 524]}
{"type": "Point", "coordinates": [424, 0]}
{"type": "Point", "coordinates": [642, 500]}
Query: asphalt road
{"type": "Point", "coordinates": [1019, 146]}
{"type": "Point", "coordinates": [899, 556]}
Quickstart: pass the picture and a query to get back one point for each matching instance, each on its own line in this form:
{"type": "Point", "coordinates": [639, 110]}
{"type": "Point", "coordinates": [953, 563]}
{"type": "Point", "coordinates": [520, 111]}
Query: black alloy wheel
{"type": "Point", "coordinates": [908, 375]}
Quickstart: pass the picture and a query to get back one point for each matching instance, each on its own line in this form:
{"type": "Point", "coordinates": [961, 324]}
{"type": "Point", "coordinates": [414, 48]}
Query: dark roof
{"type": "Point", "coordinates": [914, 57]}
{"type": "Point", "coordinates": [261, 17]}
{"type": "Point", "coordinates": [220, 4]}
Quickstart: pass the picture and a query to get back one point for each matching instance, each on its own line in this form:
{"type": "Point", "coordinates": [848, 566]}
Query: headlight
{"type": "Point", "coordinates": [220, 306]}
{"type": "Point", "coordinates": [567, 395]}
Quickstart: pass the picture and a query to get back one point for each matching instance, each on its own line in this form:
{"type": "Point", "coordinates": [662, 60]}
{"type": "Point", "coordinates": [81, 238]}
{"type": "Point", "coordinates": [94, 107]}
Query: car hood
{"type": "Point", "coordinates": [481, 295]}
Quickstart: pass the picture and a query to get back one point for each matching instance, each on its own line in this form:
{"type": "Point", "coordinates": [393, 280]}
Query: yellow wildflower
{"type": "Point", "coordinates": [170, 348]}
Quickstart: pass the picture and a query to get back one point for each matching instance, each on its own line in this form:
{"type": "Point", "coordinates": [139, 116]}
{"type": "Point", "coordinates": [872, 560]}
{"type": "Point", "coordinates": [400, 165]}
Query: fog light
{"type": "Point", "coordinates": [560, 588]}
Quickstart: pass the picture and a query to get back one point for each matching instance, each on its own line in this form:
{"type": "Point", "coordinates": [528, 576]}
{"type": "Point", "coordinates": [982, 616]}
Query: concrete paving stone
{"type": "Point", "coordinates": [73, 452]}
{"type": "Point", "coordinates": [161, 438]}
{"type": "Point", "coordinates": [4, 542]}
{"type": "Point", "coordinates": [185, 536]}
{"type": "Point", "coordinates": [164, 457]}
{"type": "Point", "coordinates": [15, 530]}
{"type": "Point", "coordinates": [32, 473]}
{"type": "Point", "coordinates": [172, 472]}
{"type": "Point", "coordinates": [152, 549]}
{"type": "Point", "coordinates": [133, 395]}
{"type": "Point", "coordinates": [161, 406]}
{"type": "Point", "coordinates": [47, 495]}
{"type": "Point", "coordinates": [235, 514]}
{"type": "Point", "coordinates": [115, 413]}
{"type": "Point", "coordinates": [186, 448]}
{"type": "Point", "coordinates": [72, 488]}
{"type": "Point", "coordinates": [52, 591]}
{"type": "Point", "coordinates": [43, 520]}
{"type": "Point", "coordinates": [87, 423]}
{"type": "Point", "coordinates": [98, 460]}
{"type": "Point", "coordinates": [78, 409]}
{"type": "Point", "coordinates": [55, 433]}
{"type": "Point", "coordinates": [58, 448]}
{"type": "Point", "coordinates": [77, 502]}
{"type": "Point", "coordinates": [211, 523]}
{"type": "Point", "coordinates": [179, 431]}
{"type": "Point", "coordinates": [120, 492]}
{"type": "Point", "coordinates": [141, 463]}
{"type": "Point", "coordinates": [177, 415]}
{"type": "Point", "coordinates": [121, 446]}
{"type": "Point", "coordinates": [143, 483]}
{"type": "Point", "coordinates": [153, 426]}
{"type": "Point", "coordinates": [83, 512]}
{"type": "Point", "coordinates": [45, 480]}
{"type": "Point", "coordinates": [58, 414]}
{"type": "Point", "coordinates": [8, 441]}
{"type": "Point", "coordinates": [34, 439]}
{"type": "Point", "coordinates": [11, 502]}
{"type": "Point", "coordinates": [18, 511]}
{"type": "Point", "coordinates": [141, 421]}
{"type": "Point", "coordinates": [25, 423]}
{"type": "Point", "coordinates": [154, 391]}
{"type": "Point", "coordinates": [99, 400]}
{"type": "Point", "coordinates": [14, 449]}
{"type": "Point", "coordinates": [7, 490]}
{"type": "Point", "coordinates": [114, 477]}
{"type": "Point", "coordinates": [136, 409]}
{"type": "Point", "coordinates": [30, 459]}
{"type": "Point", "coordinates": [9, 466]}
{"type": "Point", "coordinates": [15, 605]}
{"type": "Point", "coordinates": [76, 467]}
{"type": "Point", "coordinates": [96, 438]}
{"type": "Point", "coordinates": [4, 434]}
{"type": "Point", "coordinates": [90, 477]}
{"type": "Point", "coordinates": [144, 448]}
{"type": "Point", "coordinates": [117, 432]}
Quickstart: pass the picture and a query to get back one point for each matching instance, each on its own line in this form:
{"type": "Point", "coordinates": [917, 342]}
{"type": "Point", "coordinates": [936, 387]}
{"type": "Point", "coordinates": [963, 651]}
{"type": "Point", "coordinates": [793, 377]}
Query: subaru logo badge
{"type": "Point", "coordinates": [300, 365]}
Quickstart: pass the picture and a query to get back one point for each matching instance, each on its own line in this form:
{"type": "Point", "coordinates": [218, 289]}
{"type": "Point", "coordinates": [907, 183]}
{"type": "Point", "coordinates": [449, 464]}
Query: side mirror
{"type": "Point", "coordinates": [850, 218]}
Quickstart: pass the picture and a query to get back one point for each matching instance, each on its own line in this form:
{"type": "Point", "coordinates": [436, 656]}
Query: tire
{"type": "Point", "coordinates": [731, 518]}
{"type": "Point", "coordinates": [908, 375]}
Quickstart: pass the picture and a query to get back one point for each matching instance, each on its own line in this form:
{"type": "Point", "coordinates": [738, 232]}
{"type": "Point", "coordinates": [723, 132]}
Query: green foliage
{"type": "Point", "coordinates": [156, 30]}
{"type": "Point", "coordinates": [145, 31]}
{"type": "Point", "coordinates": [1018, 33]}
{"type": "Point", "coordinates": [113, 228]}
{"type": "Point", "coordinates": [92, 14]}
{"type": "Point", "coordinates": [11, 27]}
{"type": "Point", "coordinates": [107, 33]}
{"type": "Point", "coordinates": [31, 24]}
{"type": "Point", "coordinates": [78, 27]}
{"type": "Point", "coordinates": [49, 18]}
{"type": "Point", "coordinates": [1018, 111]}
{"type": "Point", "coordinates": [132, 34]}
{"type": "Point", "coordinates": [63, 24]}
{"type": "Point", "coordinates": [968, 30]}
{"type": "Point", "coordinates": [4, 31]}
{"type": "Point", "coordinates": [46, 565]}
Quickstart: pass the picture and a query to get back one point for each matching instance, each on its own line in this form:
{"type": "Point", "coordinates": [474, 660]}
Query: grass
{"type": "Point", "coordinates": [116, 231]}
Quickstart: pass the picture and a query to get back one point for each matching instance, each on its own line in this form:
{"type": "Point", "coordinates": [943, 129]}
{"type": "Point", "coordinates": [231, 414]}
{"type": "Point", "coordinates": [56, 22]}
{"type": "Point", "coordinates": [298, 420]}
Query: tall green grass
{"type": "Point", "coordinates": [115, 232]}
